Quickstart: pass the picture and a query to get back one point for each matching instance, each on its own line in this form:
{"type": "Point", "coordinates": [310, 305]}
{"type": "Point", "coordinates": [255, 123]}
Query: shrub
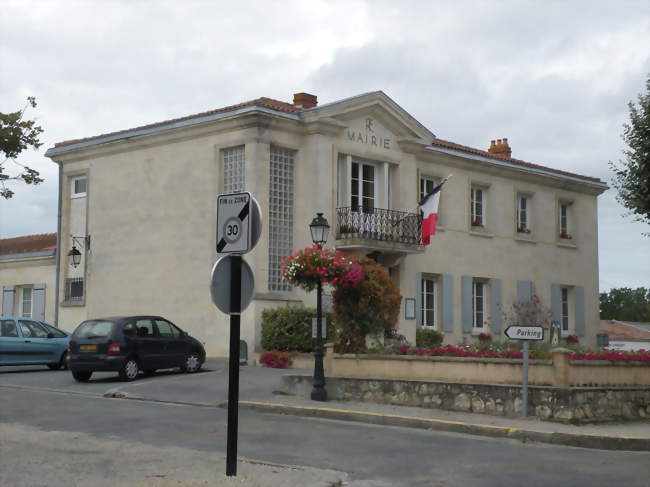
{"type": "Point", "coordinates": [484, 337]}
{"type": "Point", "coordinates": [277, 359]}
{"type": "Point", "coordinates": [368, 307]}
{"type": "Point", "coordinates": [428, 338]}
{"type": "Point", "coordinates": [572, 339]}
{"type": "Point", "coordinates": [290, 328]}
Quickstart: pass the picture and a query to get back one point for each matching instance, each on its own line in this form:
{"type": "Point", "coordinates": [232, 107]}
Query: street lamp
{"type": "Point", "coordinates": [74, 254]}
{"type": "Point", "coordinates": [319, 229]}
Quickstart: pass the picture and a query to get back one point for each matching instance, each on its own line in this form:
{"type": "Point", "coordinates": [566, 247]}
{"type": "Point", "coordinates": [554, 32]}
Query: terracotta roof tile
{"type": "Point", "coordinates": [464, 148]}
{"type": "Point", "coordinates": [28, 243]}
{"type": "Point", "coordinates": [262, 102]}
{"type": "Point", "coordinates": [620, 330]}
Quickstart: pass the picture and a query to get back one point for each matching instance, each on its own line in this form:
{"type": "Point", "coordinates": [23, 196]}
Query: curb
{"type": "Point", "coordinates": [599, 442]}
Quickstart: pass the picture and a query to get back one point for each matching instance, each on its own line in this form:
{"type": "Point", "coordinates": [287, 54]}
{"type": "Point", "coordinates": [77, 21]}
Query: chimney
{"type": "Point", "coordinates": [500, 147]}
{"type": "Point", "coordinates": [304, 100]}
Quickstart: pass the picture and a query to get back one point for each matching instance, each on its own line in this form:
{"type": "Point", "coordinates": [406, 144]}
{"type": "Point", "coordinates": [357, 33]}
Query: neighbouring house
{"type": "Point", "coordinates": [27, 276]}
{"type": "Point", "coordinates": [626, 335]}
{"type": "Point", "coordinates": [506, 229]}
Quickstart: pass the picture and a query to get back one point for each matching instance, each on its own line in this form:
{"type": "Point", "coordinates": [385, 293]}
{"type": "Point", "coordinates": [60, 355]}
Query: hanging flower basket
{"type": "Point", "coordinates": [307, 267]}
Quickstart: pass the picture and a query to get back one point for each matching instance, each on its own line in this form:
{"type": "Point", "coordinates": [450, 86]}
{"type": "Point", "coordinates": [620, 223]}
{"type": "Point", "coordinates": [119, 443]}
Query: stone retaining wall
{"type": "Point", "coordinates": [568, 404]}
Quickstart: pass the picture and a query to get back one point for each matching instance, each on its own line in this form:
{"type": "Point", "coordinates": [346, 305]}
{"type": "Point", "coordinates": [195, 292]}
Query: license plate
{"type": "Point", "coordinates": [88, 348]}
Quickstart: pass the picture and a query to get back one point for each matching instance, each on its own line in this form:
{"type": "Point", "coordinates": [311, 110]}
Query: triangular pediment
{"type": "Point", "coordinates": [372, 115]}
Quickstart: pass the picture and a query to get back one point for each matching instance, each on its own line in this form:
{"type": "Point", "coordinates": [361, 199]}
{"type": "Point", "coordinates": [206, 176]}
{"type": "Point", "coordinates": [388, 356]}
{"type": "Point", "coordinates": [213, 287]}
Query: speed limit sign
{"type": "Point", "coordinates": [238, 223]}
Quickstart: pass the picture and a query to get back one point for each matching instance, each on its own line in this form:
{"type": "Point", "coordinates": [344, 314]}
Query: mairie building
{"type": "Point", "coordinates": [139, 205]}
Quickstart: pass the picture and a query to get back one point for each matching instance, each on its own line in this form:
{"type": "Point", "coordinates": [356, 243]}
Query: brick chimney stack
{"type": "Point", "coordinates": [304, 100]}
{"type": "Point", "coordinates": [500, 147]}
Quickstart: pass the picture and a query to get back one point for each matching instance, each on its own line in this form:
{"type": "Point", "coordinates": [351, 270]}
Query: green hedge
{"type": "Point", "coordinates": [290, 328]}
{"type": "Point", "coordinates": [428, 338]}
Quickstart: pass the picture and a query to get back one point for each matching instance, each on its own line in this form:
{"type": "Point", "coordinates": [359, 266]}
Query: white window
{"type": "Point", "coordinates": [26, 299]}
{"type": "Point", "coordinates": [233, 170]}
{"type": "Point", "coordinates": [564, 214]}
{"type": "Point", "coordinates": [426, 185]}
{"type": "Point", "coordinates": [478, 305]}
{"type": "Point", "coordinates": [280, 214]}
{"type": "Point", "coordinates": [523, 222]}
{"type": "Point", "coordinates": [363, 189]}
{"type": "Point", "coordinates": [78, 187]}
{"type": "Point", "coordinates": [565, 309]}
{"type": "Point", "coordinates": [428, 300]}
{"type": "Point", "coordinates": [478, 207]}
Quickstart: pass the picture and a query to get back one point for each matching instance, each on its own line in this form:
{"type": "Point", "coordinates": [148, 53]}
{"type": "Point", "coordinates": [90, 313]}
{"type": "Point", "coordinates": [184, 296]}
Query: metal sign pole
{"type": "Point", "coordinates": [524, 388]}
{"type": "Point", "coordinates": [233, 379]}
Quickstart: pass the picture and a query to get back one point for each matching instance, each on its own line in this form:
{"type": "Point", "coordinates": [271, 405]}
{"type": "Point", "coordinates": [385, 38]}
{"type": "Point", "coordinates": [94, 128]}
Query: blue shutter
{"type": "Point", "coordinates": [38, 304]}
{"type": "Point", "coordinates": [556, 303]}
{"type": "Point", "coordinates": [580, 310]}
{"type": "Point", "coordinates": [418, 300]}
{"type": "Point", "coordinates": [495, 305]}
{"type": "Point", "coordinates": [447, 303]}
{"type": "Point", "coordinates": [8, 300]}
{"type": "Point", "coordinates": [524, 290]}
{"type": "Point", "coordinates": [466, 305]}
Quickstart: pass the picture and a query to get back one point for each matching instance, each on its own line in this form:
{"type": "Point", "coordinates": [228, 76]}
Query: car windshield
{"type": "Point", "coordinates": [94, 329]}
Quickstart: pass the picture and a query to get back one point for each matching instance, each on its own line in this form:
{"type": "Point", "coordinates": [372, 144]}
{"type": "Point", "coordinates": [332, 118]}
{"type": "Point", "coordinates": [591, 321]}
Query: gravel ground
{"type": "Point", "coordinates": [30, 457]}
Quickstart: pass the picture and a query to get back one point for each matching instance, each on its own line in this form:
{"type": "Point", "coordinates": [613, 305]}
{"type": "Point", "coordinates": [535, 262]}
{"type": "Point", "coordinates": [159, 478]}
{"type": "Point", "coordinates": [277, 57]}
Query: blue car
{"type": "Point", "coordinates": [24, 341]}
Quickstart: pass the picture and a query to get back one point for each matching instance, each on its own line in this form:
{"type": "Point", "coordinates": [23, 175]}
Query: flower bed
{"type": "Point", "coordinates": [612, 355]}
{"type": "Point", "coordinates": [308, 267]}
{"type": "Point", "coordinates": [277, 359]}
{"type": "Point", "coordinates": [469, 351]}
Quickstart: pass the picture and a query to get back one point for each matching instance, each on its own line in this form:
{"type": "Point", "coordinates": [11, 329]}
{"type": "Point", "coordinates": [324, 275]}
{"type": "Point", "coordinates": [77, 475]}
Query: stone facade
{"type": "Point", "coordinates": [566, 404]}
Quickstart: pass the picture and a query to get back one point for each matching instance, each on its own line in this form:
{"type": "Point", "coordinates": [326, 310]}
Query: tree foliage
{"type": "Point", "coordinates": [528, 312]}
{"type": "Point", "coordinates": [625, 304]}
{"type": "Point", "coordinates": [370, 307]}
{"type": "Point", "coordinates": [632, 179]}
{"type": "Point", "coordinates": [16, 136]}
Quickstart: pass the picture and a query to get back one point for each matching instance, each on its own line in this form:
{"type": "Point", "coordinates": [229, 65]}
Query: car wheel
{"type": "Point", "coordinates": [82, 376]}
{"type": "Point", "coordinates": [129, 370]}
{"type": "Point", "coordinates": [192, 363]}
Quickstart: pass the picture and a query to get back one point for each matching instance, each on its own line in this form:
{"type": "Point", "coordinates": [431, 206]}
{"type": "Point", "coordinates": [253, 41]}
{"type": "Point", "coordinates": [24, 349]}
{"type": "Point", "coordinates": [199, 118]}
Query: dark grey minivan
{"type": "Point", "coordinates": [130, 344]}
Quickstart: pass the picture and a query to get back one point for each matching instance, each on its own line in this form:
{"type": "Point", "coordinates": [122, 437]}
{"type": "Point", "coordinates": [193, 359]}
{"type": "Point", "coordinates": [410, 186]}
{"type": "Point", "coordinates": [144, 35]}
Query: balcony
{"type": "Point", "coordinates": [385, 231]}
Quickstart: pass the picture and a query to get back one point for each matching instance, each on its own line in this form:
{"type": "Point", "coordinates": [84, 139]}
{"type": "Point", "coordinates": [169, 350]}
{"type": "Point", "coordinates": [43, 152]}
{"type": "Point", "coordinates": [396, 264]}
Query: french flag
{"type": "Point", "coordinates": [429, 208]}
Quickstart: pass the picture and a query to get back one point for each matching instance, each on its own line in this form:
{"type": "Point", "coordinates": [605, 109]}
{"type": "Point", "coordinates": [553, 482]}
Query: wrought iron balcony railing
{"type": "Point", "coordinates": [379, 224]}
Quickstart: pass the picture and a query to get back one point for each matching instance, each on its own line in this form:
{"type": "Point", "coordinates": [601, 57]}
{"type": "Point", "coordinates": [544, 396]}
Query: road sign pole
{"type": "Point", "coordinates": [524, 382]}
{"type": "Point", "coordinates": [233, 379]}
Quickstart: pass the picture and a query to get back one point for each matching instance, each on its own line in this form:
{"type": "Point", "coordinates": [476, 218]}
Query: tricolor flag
{"type": "Point", "coordinates": [429, 208]}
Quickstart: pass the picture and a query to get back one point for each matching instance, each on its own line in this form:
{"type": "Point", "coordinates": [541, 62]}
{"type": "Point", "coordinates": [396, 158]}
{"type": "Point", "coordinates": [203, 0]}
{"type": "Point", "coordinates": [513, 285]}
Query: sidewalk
{"type": "Point", "coordinates": [259, 390]}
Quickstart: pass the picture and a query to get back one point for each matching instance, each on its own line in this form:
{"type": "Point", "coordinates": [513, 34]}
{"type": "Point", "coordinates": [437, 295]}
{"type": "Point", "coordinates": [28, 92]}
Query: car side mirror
{"type": "Point", "coordinates": [50, 335]}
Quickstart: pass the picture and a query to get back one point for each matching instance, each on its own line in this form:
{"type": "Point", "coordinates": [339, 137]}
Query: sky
{"type": "Point", "coordinates": [554, 77]}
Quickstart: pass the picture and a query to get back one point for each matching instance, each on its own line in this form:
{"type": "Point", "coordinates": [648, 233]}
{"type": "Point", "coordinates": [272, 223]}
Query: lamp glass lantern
{"type": "Point", "coordinates": [319, 228]}
{"type": "Point", "coordinates": [75, 256]}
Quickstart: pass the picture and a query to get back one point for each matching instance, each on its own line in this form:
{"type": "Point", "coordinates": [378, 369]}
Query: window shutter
{"type": "Point", "coordinates": [556, 302]}
{"type": "Point", "coordinates": [495, 305]}
{"type": "Point", "coordinates": [466, 306]}
{"type": "Point", "coordinates": [524, 290]}
{"type": "Point", "coordinates": [418, 300]}
{"type": "Point", "coordinates": [579, 292]}
{"type": "Point", "coordinates": [8, 300]}
{"type": "Point", "coordinates": [447, 303]}
{"type": "Point", "coordinates": [38, 305]}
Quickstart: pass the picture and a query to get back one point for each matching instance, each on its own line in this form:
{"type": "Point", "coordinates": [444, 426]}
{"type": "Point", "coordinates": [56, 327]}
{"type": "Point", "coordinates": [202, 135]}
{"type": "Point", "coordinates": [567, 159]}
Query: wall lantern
{"type": "Point", "coordinates": [74, 254]}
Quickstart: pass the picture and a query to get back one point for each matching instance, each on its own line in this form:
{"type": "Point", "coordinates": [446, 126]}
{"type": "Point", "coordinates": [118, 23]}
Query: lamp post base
{"type": "Point", "coordinates": [319, 395]}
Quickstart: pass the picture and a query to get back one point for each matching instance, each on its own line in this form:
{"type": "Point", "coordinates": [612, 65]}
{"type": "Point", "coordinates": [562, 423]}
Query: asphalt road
{"type": "Point", "coordinates": [397, 456]}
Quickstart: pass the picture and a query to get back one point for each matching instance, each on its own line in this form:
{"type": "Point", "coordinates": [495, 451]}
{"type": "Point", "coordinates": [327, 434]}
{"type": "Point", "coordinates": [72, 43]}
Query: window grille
{"type": "Point", "coordinates": [280, 214]}
{"type": "Point", "coordinates": [233, 170]}
{"type": "Point", "coordinates": [478, 289]}
{"type": "Point", "coordinates": [565, 309]}
{"type": "Point", "coordinates": [74, 289]}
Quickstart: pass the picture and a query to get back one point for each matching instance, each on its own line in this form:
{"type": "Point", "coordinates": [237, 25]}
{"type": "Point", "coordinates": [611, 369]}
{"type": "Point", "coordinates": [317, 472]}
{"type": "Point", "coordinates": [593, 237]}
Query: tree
{"type": "Point", "coordinates": [632, 180]}
{"type": "Point", "coordinates": [625, 304]}
{"type": "Point", "coordinates": [17, 135]}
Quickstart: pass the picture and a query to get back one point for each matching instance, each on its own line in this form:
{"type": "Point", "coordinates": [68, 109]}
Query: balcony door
{"type": "Point", "coordinates": [363, 195]}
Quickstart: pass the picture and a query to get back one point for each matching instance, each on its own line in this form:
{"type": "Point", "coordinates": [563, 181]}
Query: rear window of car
{"type": "Point", "coordinates": [94, 329]}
